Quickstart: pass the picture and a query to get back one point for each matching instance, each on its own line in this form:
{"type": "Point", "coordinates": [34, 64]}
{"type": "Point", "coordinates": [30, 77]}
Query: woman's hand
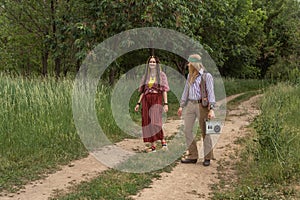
{"type": "Point", "coordinates": [211, 114]}
{"type": "Point", "coordinates": [137, 107]}
{"type": "Point", "coordinates": [166, 108]}
{"type": "Point", "coordinates": [179, 112]}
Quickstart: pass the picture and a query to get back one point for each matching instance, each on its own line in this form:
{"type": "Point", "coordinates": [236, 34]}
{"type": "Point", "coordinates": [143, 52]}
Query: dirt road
{"type": "Point", "coordinates": [186, 181]}
{"type": "Point", "coordinates": [193, 181]}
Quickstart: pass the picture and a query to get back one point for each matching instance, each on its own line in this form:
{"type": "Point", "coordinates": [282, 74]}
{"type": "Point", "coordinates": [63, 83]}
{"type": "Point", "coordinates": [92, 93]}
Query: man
{"type": "Point", "coordinates": [192, 101]}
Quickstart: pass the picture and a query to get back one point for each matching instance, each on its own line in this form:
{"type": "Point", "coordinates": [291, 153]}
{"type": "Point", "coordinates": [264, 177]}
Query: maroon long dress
{"type": "Point", "coordinates": [152, 109]}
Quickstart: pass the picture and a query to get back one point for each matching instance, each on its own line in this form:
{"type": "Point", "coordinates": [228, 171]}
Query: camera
{"type": "Point", "coordinates": [213, 127]}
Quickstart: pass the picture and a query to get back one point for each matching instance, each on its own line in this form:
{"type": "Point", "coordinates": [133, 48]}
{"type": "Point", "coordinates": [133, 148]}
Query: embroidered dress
{"type": "Point", "coordinates": [152, 108]}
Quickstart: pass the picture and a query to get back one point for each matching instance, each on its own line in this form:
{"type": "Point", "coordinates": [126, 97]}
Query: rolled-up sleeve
{"type": "Point", "coordinates": [210, 89]}
{"type": "Point", "coordinates": [184, 95]}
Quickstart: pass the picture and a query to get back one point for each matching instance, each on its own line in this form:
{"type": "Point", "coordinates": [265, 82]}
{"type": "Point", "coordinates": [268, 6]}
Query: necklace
{"type": "Point", "coordinates": [151, 81]}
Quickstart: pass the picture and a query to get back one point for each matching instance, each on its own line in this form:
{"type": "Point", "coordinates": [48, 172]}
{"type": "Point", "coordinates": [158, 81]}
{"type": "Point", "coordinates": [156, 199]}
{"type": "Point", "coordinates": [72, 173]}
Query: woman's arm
{"type": "Point", "coordinates": [138, 103]}
{"type": "Point", "coordinates": [165, 103]}
{"type": "Point", "coordinates": [165, 97]}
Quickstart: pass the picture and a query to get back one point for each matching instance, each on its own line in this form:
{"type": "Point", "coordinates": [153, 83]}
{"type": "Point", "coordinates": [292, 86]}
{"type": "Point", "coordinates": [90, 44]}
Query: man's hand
{"type": "Point", "coordinates": [179, 112]}
{"type": "Point", "coordinates": [211, 114]}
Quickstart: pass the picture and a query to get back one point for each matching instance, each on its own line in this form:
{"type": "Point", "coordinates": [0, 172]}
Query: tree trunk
{"type": "Point", "coordinates": [181, 66]}
{"type": "Point", "coordinates": [45, 55]}
{"type": "Point", "coordinates": [112, 76]}
{"type": "Point", "coordinates": [57, 67]}
{"type": "Point", "coordinates": [28, 70]}
{"type": "Point", "coordinates": [57, 59]}
{"type": "Point", "coordinates": [65, 69]}
{"type": "Point", "coordinates": [78, 65]}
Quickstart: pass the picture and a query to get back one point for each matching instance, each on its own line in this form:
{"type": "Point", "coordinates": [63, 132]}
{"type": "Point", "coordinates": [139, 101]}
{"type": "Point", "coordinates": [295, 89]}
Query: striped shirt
{"type": "Point", "coordinates": [192, 92]}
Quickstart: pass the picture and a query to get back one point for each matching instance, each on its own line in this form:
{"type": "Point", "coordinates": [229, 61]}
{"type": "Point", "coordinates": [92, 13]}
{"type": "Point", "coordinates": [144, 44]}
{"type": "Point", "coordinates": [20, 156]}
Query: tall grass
{"type": "Point", "coordinates": [279, 133]}
{"type": "Point", "coordinates": [37, 131]}
{"type": "Point", "coordinates": [270, 163]}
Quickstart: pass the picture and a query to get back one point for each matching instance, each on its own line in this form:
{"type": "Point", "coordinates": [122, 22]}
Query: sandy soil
{"type": "Point", "coordinates": [186, 181]}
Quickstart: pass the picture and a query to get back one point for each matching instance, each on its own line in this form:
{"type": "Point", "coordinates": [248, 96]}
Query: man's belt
{"type": "Point", "coordinates": [195, 101]}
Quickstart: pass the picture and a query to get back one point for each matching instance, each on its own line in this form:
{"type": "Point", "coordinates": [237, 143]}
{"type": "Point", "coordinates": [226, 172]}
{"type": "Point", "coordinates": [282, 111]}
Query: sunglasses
{"type": "Point", "coordinates": [152, 62]}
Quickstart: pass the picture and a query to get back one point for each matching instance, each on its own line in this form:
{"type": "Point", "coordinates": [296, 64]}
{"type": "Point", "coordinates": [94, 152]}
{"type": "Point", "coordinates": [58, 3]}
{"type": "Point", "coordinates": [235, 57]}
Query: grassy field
{"type": "Point", "coordinates": [37, 126]}
{"type": "Point", "coordinates": [270, 162]}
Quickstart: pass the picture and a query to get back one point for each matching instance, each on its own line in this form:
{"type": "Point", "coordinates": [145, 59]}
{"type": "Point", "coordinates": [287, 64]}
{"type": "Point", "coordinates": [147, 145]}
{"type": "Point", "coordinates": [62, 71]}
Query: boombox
{"type": "Point", "coordinates": [213, 126]}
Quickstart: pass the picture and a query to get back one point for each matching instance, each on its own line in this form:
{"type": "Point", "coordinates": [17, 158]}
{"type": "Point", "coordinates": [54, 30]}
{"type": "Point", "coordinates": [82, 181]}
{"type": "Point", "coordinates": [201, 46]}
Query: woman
{"type": "Point", "coordinates": [191, 101]}
{"type": "Point", "coordinates": [153, 88]}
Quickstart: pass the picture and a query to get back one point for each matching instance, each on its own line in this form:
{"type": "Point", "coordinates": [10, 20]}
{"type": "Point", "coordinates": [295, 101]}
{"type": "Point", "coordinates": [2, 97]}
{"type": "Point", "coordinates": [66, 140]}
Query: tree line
{"type": "Point", "coordinates": [246, 38]}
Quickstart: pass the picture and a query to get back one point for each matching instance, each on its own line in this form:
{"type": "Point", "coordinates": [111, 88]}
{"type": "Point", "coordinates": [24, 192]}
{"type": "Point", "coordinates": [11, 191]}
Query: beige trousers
{"type": "Point", "coordinates": [194, 111]}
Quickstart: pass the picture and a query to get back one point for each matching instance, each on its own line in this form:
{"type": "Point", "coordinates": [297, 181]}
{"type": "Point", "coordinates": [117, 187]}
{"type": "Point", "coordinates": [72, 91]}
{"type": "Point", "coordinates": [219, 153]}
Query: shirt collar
{"type": "Point", "coordinates": [201, 71]}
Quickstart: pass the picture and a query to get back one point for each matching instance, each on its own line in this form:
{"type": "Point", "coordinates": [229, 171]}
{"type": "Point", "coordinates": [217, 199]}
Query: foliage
{"type": "Point", "coordinates": [232, 30]}
{"type": "Point", "coordinates": [280, 48]}
{"type": "Point", "coordinates": [286, 69]}
{"type": "Point", "coordinates": [245, 38]}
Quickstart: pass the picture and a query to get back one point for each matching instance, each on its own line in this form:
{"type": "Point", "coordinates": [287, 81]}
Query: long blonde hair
{"type": "Point", "coordinates": [194, 67]}
{"type": "Point", "coordinates": [193, 73]}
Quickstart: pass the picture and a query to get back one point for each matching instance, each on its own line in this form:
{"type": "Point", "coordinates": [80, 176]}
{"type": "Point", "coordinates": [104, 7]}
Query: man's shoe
{"type": "Point", "coordinates": [187, 160]}
{"type": "Point", "coordinates": [164, 146]}
{"type": "Point", "coordinates": [206, 163]}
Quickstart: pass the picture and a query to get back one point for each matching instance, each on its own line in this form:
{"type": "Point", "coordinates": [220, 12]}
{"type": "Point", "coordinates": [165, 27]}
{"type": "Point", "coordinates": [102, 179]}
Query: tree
{"type": "Point", "coordinates": [22, 19]}
{"type": "Point", "coordinates": [232, 32]}
{"type": "Point", "coordinates": [244, 37]}
{"type": "Point", "coordinates": [106, 18]}
{"type": "Point", "coordinates": [281, 35]}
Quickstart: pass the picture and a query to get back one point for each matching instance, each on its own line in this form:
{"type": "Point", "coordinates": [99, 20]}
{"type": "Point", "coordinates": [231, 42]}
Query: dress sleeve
{"type": "Point", "coordinates": [164, 82]}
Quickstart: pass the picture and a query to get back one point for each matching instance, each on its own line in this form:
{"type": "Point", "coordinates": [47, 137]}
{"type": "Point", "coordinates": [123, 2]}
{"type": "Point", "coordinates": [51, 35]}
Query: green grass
{"type": "Point", "coordinates": [37, 132]}
{"type": "Point", "coordinates": [110, 184]}
{"type": "Point", "coordinates": [113, 184]}
{"type": "Point", "coordinates": [236, 86]}
{"type": "Point", "coordinates": [270, 162]}
{"type": "Point", "coordinates": [243, 97]}
{"type": "Point", "coordinates": [38, 127]}
{"type": "Point", "coordinates": [278, 133]}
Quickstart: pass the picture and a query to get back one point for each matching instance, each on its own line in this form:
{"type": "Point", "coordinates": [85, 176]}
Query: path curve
{"type": "Point", "coordinates": [184, 182]}
{"type": "Point", "coordinates": [194, 181]}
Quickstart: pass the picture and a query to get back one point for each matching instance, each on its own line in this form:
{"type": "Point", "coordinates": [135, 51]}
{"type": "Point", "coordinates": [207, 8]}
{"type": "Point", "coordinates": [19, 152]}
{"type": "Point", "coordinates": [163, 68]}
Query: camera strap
{"type": "Point", "coordinates": [203, 86]}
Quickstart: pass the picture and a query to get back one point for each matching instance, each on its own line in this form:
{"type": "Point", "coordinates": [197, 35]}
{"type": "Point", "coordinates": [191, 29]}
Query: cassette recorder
{"type": "Point", "coordinates": [213, 126]}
